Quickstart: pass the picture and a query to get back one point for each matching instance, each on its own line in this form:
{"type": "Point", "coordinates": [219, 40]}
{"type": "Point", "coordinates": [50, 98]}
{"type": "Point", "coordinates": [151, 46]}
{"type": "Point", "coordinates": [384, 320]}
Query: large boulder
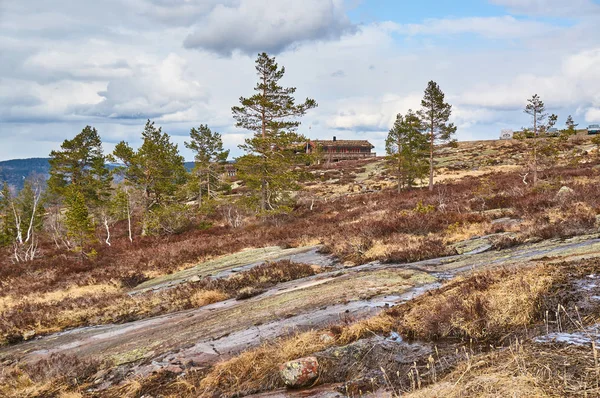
{"type": "Point", "coordinates": [300, 372]}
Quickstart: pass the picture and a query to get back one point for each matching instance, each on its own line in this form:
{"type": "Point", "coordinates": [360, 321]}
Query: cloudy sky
{"type": "Point", "coordinates": [115, 63]}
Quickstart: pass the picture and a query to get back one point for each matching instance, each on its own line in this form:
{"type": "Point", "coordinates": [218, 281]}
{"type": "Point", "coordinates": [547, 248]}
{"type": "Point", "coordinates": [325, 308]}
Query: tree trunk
{"type": "Point", "coordinates": [208, 184]}
{"type": "Point", "coordinates": [145, 215]}
{"type": "Point", "coordinates": [535, 138]}
{"type": "Point", "coordinates": [431, 158]}
{"type": "Point", "coordinates": [263, 114]}
{"type": "Point", "coordinates": [107, 230]}
{"type": "Point", "coordinates": [199, 190]}
{"type": "Point", "coordinates": [535, 176]}
{"type": "Point", "coordinates": [263, 194]}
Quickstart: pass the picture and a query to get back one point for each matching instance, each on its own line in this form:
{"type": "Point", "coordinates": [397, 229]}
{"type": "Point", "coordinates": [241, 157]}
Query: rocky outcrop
{"type": "Point", "coordinates": [300, 372]}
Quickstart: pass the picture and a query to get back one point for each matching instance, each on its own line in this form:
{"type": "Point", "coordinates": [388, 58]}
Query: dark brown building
{"type": "Point", "coordinates": [336, 150]}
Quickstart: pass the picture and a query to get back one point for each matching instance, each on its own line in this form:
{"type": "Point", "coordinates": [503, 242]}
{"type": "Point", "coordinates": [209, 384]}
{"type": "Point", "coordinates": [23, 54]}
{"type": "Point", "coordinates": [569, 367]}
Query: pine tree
{"type": "Point", "coordinates": [272, 115]}
{"type": "Point", "coordinates": [156, 168]}
{"type": "Point", "coordinates": [7, 231]}
{"type": "Point", "coordinates": [435, 114]}
{"type": "Point", "coordinates": [269, 170]}
{"type": "Point", "coordinates": [80, 228]}
{"type": "Point", "coordinates": [571, 126]}
{"type": "Point", "coordinates": [537, 110]}
{"type": "Point", "coordinates": [273, 107]}
{"type": "Point", "coordinates": [407, 149]}
{"type": "Point", "coordinates": [596, 141]}
{"type": "Point", "coordinates": [81, 162]}
{"type": "Point", "coordinates": [209, 158]}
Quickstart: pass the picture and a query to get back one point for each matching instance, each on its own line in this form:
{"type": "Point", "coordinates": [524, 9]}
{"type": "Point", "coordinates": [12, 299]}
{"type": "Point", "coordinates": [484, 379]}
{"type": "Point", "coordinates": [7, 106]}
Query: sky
{"type": "Point", "coordinates": [113, 64]}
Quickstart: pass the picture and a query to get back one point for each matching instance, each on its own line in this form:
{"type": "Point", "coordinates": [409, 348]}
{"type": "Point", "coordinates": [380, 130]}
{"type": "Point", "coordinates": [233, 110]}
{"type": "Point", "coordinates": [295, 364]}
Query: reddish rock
{"type": "Point", "coordinates": [300, 372]}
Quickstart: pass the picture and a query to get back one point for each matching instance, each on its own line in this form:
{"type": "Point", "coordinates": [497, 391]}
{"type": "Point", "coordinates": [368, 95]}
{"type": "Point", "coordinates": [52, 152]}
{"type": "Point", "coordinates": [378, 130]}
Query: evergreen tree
{"type": "Point", "coordinates": [596, 141]}
{"type": "Point", "coordinates": [7, 231]}
{"type": "Point", "coordinates": [273, 107]}
{"type": "Point", "coordinates": [406, 147]}
{"type": "Point", "coordinates": [269, 170]}
{"type": "Point", "coordinates": [571, 126]}
{"type": "Point", "coordinates": [537, 110]}
{"type": "Point", "coordinates": [434, 115]}
{"type": "Point", "coordinates": [81, 162]}
{"type": "Point", "coordinates": [209, 157]}
{"type": "Point", "coordinates": [272, 114]}
{"type": "Point", "coordinates": [156, 168]}
{"type": "Point", "coordinates": [80, 228]}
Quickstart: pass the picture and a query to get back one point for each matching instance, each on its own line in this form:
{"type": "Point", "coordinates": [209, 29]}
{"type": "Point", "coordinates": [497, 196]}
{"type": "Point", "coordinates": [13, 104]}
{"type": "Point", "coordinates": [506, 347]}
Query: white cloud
{"type": "Point", "coordinates": [154, 91]}
{"type": "Point", "coordinates": [559, 8]}
{"type": "Point", "coordinates": [252, 26]}
{"type": "Point", "coordinates": [504, 27]}
{"type": "Point", "coordinates": [90, 65]}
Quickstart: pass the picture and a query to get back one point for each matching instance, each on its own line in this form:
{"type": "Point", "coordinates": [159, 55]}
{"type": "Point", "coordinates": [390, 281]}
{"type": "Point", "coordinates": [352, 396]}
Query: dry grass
{"type": "Point", "coordinates": [72, 292]}
{"type": "Point", "coordinates": [99, 305]}
{"type": "Point", "coordinates": [521, 371]}
{"type": "Point", "coordinates": [57, 376]}
{"type": "Point", "coordinates": [484, 306]}
{"type": "Point", "coordinates": [205, 297]}
{"type": "Point", "coordinates": [258, 369]}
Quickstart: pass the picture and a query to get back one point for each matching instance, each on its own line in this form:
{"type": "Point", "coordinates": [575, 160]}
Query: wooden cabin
{"type": "Point", "coordinates": [336, 150]}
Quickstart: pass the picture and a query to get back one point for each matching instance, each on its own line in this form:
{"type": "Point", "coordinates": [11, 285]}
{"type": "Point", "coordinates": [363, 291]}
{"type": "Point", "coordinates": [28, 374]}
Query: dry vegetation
{"type": "Point", "coordinates": [486, 311]}
{"type": "Point", "coordinates": [467, 319]}
{"type": "Point", "coordinates": [79, 307]}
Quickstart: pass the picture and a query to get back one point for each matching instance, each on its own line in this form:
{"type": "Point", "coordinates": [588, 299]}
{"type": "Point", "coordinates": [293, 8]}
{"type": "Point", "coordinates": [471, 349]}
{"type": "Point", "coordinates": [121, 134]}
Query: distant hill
{"type": "Point", "coordinates": [15, 171]}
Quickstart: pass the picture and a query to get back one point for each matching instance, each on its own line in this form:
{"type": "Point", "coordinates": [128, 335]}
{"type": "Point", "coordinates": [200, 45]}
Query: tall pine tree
{"type": "Point", "coordinates": [271, 113]}
{"type": "Point", "coordinates": [209, 158]}
{"type": "Point", "coordinates": [156, 169]}
{"type": "Point", "coordinates": [407, 150]}
{"type": "Point", "coordinates": [80, 227]}
{"type": "Point", "coordinates": [537, 110]}
{"type": "Point", "coordinates": [435, 114]}
{"type": "Point", "coordinates": [81, 162]}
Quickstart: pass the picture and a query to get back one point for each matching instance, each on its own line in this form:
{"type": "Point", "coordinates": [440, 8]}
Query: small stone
{"type": "Point", "coordinates": [564, 193]}
{"type": "Point", "coordinates": [327, 337]}
{"type": "Point", "coordinates": [28, 335]}
{"type": "Point", "coordinates": [300, 372]}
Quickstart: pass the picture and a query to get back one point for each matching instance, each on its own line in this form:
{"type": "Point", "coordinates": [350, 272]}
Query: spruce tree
{"type": "Point", "coordinates": [272, 115]}
{"type": "Point", "coordinates": [156, 169]}
{"type": "Point", "coordinates": [209, 158]}
{"type": "Point", "coordinates": [407, 149]}
{"type": "Point", "coordinates": [435, 114]}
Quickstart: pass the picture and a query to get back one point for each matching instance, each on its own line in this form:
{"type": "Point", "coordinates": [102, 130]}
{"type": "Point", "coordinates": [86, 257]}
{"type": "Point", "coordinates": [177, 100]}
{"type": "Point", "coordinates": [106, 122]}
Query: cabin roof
{"type": "Point", "coordinates": [344, 143]}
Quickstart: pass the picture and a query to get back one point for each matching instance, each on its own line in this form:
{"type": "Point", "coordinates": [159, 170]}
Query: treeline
{"type": "Point", "coordinates": [81, 202]}
{"type": "Point", "coordinates": [413, 141]}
